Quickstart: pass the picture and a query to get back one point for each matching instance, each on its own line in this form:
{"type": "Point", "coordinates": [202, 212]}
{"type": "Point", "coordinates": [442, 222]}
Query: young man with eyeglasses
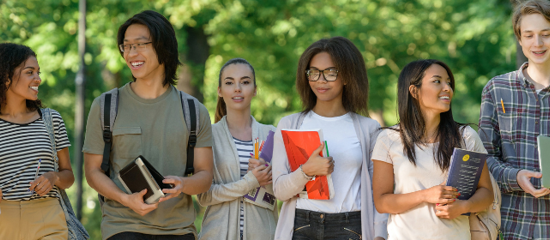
{"type": "Point", "coordinates": [150, 123]}
{"type": "Point", "coordinates": [514, 111]}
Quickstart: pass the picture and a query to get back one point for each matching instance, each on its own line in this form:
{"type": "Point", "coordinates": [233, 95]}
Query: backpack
{"type": "Point", "coordinates": [485, 225]}
{"type": "Point", "coordinates": [109, 110]}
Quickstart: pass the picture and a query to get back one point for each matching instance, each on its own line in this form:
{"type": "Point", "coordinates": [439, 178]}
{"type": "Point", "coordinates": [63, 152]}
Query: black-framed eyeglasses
{"type": "Point", "coordinates": [136, 46]}
{"type": "Point", "coordinates": [330, 74]}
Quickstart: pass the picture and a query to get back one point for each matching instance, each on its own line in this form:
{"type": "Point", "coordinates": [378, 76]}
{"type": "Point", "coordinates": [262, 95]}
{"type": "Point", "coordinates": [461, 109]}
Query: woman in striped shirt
{"type": "Point", "coordinates": [28, 181]}
{"type": "Point", "coordinates": [228, 214]}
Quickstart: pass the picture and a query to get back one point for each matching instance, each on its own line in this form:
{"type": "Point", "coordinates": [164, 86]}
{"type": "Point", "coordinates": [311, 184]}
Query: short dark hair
{"type": "Point", "coordinates": [221, 108]}
{"type": "Point", "coordinates": [411, 121]}
{"type": "Point", "coordinates": [351, 68]}
{"type": "Point", "coordinates": [12, 56]}
{"type": "Point", "coordinates": [529, 7]}
{"type": "Point", "coordinates": [163, 38]}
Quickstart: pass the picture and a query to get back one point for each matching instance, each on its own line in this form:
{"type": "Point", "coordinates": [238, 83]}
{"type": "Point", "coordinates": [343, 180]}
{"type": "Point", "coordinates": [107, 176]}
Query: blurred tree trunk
{"type": "Point", "coordinates": [191, 77]}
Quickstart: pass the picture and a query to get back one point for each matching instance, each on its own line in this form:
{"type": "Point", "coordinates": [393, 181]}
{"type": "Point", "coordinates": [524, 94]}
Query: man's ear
{"type": "Point", "coordinates": [413, 91]}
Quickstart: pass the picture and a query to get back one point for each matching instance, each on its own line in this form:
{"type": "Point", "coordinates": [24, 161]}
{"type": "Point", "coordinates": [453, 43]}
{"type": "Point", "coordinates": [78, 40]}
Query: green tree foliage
{"type": "Point", "coordinates": [474, 37]}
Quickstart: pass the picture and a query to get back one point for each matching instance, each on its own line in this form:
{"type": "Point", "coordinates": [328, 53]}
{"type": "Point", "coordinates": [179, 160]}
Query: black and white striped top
{"type": "Point", "coordinates": [244, 149]}
{"type": "Point", "coordinates": [21, 147]}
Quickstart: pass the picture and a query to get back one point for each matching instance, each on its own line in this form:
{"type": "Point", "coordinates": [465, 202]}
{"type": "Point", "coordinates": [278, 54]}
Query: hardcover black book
{"type": "Point", "coordinates": [139, 175]}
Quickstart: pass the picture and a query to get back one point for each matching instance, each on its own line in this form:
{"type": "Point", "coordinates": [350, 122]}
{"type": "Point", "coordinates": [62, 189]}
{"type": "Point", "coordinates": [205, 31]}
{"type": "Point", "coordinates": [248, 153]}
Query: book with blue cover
{"type": "Point", "coordinates": [465, 171]}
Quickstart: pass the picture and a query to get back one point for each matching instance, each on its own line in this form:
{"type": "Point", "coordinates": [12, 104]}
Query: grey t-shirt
{"type": "Point", "coordinates": [154, 128]}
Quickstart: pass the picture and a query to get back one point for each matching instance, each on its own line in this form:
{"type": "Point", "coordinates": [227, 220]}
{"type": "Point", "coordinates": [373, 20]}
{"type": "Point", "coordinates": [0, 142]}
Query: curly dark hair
{"type": "Point", "coordinates": [12, 56]}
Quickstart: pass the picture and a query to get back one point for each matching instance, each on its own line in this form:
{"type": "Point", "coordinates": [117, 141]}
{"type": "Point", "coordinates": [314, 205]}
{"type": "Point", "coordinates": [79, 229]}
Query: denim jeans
{"type": "Point", "coordinates": [326, 226]}
{"type": "Point", "coordinates": [142, 236]}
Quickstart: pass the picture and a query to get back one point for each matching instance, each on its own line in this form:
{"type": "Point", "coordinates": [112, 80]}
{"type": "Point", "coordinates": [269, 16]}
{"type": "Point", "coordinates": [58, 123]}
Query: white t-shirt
{"type": "Point", "coordinates": [345, 148]}
{"type": "Point", "coordinates": [421, 222]}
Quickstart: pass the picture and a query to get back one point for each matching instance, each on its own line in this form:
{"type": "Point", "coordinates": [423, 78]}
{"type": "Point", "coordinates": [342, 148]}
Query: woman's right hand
{"type": "Point", "coordinates": [1, 195]}
{"type": "Point", "coordinates": [441, 194]}
{"type": "Point", "coordinates": [254, 163]}
{"type": "Point", "coordinates": [263, 175]}
{"type": "Point", "coordinates": [317, 165]}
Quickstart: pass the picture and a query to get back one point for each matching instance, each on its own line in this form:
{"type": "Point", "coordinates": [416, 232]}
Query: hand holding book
{"type": "Point", "coordinates": [317, 165]}
{"type": "Point", "coordinates": [177, 185]}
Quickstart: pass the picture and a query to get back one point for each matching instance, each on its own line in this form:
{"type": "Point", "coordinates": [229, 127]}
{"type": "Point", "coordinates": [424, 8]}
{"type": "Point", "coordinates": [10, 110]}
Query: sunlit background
{"type": "Point", "coordinates": [474, 37]}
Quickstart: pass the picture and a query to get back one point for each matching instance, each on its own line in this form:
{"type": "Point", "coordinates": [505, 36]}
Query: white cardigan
{"type": "Point", "coordinates": [287, 184]}
{"type": "Point", "coordinates": [223, 199]}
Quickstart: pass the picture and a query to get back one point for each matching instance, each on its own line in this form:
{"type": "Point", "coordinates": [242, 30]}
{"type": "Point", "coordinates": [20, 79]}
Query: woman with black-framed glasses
{"type": "Point", "coordinates": [333, 85]}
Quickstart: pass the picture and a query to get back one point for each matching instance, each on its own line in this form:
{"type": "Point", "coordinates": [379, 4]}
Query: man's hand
{"type": "Point", "coordinates": [172, 192]}
{"type": "Point", "coordinates": [254, 163]}
{"type": "Point", "coordinates": [44, 184]}
{"type": "Point", "coordinates": [136, 203]}
{"type": "Point", "coordinates": [524, 181]}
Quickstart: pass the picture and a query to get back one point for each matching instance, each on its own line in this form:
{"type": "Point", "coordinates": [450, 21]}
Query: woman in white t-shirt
{"type": "Point", "coordinates": [228, 215]}
{"type": "Point", "coordinates": [411, 159]}
{"type": "Point", "coordinates": [333, 86]}
{"type": "Point", "coordinates": [28, 181]}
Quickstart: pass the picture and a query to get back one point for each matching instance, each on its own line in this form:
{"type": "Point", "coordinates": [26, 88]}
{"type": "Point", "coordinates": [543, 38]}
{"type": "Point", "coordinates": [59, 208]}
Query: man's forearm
{"type": "Point", "coordinates": [104, 186]}
{"type": "Point", "coordinates": [198, 183]}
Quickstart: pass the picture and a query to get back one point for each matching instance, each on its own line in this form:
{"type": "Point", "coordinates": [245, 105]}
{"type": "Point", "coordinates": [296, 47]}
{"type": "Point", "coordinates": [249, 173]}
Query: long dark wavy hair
{"type": "Point", "coordinates": [12, 56]}
{"type": "Point", "coordinates": [411, 124]}
{"type": "Point", "coordinates": [351, 69]}
{"type": "Point", "coordinates": [221, 108]}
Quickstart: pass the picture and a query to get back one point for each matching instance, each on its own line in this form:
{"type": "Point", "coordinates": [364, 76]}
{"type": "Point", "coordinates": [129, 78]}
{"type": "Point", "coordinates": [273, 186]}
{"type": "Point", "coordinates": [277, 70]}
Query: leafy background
{"type": "Point", "coordinates": [474, 37]}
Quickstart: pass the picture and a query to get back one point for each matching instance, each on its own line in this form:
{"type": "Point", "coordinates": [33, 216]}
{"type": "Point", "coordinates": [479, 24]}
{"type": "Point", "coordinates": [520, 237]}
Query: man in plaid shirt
{"type": "Point", "coordinates": [515, 109]}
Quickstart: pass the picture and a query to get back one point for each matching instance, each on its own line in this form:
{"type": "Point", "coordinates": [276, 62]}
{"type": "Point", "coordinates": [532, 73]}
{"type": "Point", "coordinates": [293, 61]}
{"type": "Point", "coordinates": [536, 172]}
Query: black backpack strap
{"type": "Point", "coordinates": [191, 116]}
{"type": "Point", "coordinates": [109, 110]}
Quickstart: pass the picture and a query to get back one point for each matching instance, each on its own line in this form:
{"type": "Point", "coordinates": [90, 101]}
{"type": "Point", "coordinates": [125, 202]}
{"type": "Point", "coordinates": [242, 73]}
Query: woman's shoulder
{"type": "Point", "coordinates": [286, 121]}
{"type": "Point", "coordinates": [468, 132]}
{"type": "Point", "coordinates": [371, 124]}
{"type": "Point", "coordinates": [390, 134]}
{"type": "Point", "coordinates": [56, 116]}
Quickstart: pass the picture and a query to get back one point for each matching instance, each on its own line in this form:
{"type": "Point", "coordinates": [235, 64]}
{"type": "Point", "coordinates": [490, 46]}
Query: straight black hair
{"type": "Point", "coordinates": [411, 121]}
{"type": "Point", "coordinates": [12, 56]}
{"type": "Point", "coordinates": [163, 38]}
{"type": "Point", "coordinates": [221, 108]}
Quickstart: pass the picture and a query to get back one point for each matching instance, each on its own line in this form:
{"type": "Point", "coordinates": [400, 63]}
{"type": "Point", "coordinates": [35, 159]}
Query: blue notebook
{"type": "Point", "coordinates": [465, 171]}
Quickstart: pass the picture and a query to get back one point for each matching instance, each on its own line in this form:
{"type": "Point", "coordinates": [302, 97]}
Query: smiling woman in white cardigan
{"type": "Point", "coordinates": [228, 215]}
{"type": "Point", "coordinates": [333, 86]}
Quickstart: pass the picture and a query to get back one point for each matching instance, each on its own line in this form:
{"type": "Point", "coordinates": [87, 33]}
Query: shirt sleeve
{"type": "Point", "coordinates": [381, 151]}
{"type": "Point", "coordinates": [60, 132]}
{"type": "Point", "coordinates": [489, 133]}
{"type": "Point", "coordinates": [204, 135]}
{"type": "Point", "coordinates": [93, 141]}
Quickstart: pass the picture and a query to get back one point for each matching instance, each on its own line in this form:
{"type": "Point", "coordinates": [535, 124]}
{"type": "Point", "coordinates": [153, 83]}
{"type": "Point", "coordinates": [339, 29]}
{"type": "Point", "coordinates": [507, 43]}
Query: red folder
{"type": "Point", "coordinates": [299, 145]}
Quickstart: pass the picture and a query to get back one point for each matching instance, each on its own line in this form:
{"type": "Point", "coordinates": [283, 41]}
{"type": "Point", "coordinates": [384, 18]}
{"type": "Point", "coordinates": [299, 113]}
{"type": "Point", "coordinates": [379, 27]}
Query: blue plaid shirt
{"type": "Point", "coordinates": [510, 136]}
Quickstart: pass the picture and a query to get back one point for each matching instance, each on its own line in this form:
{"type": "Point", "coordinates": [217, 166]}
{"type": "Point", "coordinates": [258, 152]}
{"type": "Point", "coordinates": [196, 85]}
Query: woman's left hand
{"type": "Point", "coordinates": [177, 182]}
{"type": "Point", "coordinates": [450, 210]}
{"type": "Point", "coordinates": [44, 184]}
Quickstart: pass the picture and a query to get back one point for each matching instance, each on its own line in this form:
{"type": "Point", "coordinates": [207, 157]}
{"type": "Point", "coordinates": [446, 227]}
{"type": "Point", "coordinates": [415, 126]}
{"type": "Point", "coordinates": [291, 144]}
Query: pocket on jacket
{"type": "Point", "coordinates": [127, 142]}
